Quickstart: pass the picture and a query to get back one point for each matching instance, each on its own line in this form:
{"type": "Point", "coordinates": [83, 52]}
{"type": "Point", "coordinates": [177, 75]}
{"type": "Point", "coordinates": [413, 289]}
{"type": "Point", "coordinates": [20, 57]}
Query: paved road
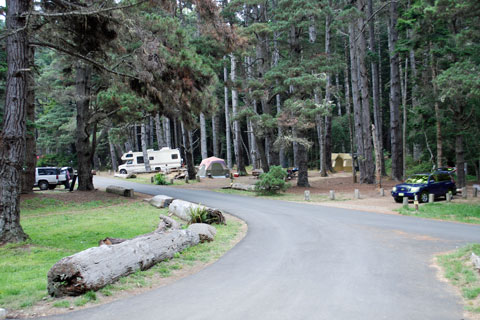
{"type": "Point", "coordinates": [302, 261]}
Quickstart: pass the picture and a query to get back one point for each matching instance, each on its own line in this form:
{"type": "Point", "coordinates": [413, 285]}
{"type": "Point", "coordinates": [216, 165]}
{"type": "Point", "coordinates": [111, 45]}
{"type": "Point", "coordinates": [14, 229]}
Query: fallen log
{"type": "Point", "coordinates": [242, 186]}
{"type": "Point", "coordinates": [120, 191]}
{"type": "Point", "coordinates": [182, 209]}
{"type": "Point", "coordinates": [125, 175]}
{"type": "Point", "coordinates": [94, 268]}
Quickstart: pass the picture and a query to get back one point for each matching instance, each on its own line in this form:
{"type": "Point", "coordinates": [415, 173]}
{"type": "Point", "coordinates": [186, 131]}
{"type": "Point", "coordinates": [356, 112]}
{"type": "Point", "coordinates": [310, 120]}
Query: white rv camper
{"type": "Point", "coordinates": [160, 160]}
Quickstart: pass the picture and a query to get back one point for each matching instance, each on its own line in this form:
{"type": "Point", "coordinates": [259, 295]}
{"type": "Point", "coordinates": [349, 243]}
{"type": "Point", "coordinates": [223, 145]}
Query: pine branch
{"type": "Point", "coordinates": [82, 57]}
{"type": "Point", "coordinates": [85, 12]}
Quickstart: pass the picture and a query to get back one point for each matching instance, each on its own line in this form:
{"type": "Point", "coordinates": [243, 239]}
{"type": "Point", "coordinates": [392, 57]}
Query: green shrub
{"type": "Point", "coordinates": [198, 215]}
{"type": "Point", "coordinates": [160, 179]}
{"type": "Point", "coordinates": [273, 181]}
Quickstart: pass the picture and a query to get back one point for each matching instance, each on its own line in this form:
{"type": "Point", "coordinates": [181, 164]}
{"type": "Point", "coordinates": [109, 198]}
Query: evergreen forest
{"type": "Point", "coordinates": [259, 83]}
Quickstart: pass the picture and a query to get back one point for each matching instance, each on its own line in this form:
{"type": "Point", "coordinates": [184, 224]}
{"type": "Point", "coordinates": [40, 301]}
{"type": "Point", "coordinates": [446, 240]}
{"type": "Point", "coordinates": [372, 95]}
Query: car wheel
{"type": "Point", "coordinates": [424, 197]}
{"type": "Point", "coordinates": [123, 171]}
{"type": "Point", "coordinates": [398, 199]}
{"type": "Point", "coordinates": [52, 186]}
{"type": "Point", "coordinates": [43, 185]}
{"type": "Point", "coordinates": [453, 191]}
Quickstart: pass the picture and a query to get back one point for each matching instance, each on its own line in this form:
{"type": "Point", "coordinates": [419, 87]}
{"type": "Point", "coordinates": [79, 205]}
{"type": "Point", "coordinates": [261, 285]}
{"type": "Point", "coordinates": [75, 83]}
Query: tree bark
{"type": "Point", "coordinates": [404, 83]}
{"type": "Point", "coordinates": [215, 136]}
{"type": "Point", "coordinates": [12, 137]}
{"type": "Point", "coordinates": [438, 116]}
{"type": "Point", "coordinates": [84, 150]}
{"type": "Point", "coordinates": [94, 268]}
{"type": "Point", "coordinates": [168, 132]}
{"type": "Point", "coordinates": [377, 118]}
{"type": "Point", "coordinates": [203, 136]}
{"type": "Point", "coordinates": [187, 145]}
{"type": "Point", "coordinates": [227, 119]}
{"type": "Point", "coordinates": [356, 100]}
{"type": "Point", "coordinates": [348, 112]}
{"type": "Point", "coordinates": [159, 132]}
{"type": "Point", "coordinates": [237, 133]}
{"type": "Point", "coordinates": [113, 154]}
{"type": "Point", "coordinates": [146, 160]}
{"type": "Point", "coordinates": [367, 156]}
{"type": "Point", "coordinates": [302, 159]}
{"type": "Point", "coordinates": [28, 176]}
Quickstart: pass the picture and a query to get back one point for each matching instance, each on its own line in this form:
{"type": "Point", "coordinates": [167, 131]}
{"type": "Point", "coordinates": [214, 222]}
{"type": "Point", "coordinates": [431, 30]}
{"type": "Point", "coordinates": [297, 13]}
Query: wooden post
{"type": "Point", "coordinates": [307, 195]}
{"type": "Point", "coordinates": [198, 178]}
{"type": "Point", "coordinates": [382, 192]}
{"type": "Point", "coordinates": [405, 202]}
{"type": "Point", "coordinates": [186, 179]}
{"type": "Point", "coordinates": [475, 191]}
{"type": "Point", "coordinates": [378, 159]}
{"type": "Point", "coordinates": [171, 181]}
{"type": "Point", "coordinates": [332, 194]}
{"type": "Point", "coordinates": [464, 193]}
{"type": "Point", "coordinates": [449, 196]}
{"type": "Point", "coordinates": [357, 194]}
{"type": "Point", "coordinates": [431, 198]}
{"type": "Point", "coordinates": [415, 202]}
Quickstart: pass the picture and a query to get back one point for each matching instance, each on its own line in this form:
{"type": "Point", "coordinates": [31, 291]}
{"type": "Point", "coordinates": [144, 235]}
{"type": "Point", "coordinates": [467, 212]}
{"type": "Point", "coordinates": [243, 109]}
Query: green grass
{"type": "Point", "coordinates": [283, 196]}
{"type": "Point", "coordinates": [58, 230]}
{"type": "Point", "coordinates": [462, 212]}
{"type": "Point", "coordinates": [459, 271]}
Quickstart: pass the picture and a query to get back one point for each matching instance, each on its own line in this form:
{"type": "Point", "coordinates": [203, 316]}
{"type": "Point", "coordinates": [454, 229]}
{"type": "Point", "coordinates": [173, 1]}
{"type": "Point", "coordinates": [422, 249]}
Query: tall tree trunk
{"type": "Point", "coordinates": [328, 89]}
{"type": "Point", "coordinates": [168, 132]}
{"type": "Point", "coordinates": [237, 133]}
{"type": "Point", "coordinates": [215, 136]}
{"type": "Point", "coordinates": [12, 137]}
{"type": "Point", "coordinates": [377, 118]}
{"type": "Point", "coordinates": [146, 160]}
{"type": "Point", "coordinates": [349, 116]}
{"type": "Point", "coordinates": [367, 156]}
{"type": "Point", "coordinates": [84, 150]}
{"type": "Point", "coordinates": [357, 112]}
{"type": "Point", "coordinates": [176, 133]}
{"type": "Point", "coordinates": [150, 131]}
{"type": "Point", "coordinates": [159, 132]}
{"type": "Point", "coordinates": [203, 136]}
{"type": "Point", "coordinates": [459, 153]}
{"type": "Point", "coordinates": [188, 152]}
{"type": "Point", "coordinates": [395, 127]}
{"type": "Point", "coordinates": [113, 154]}
{"type": "Point", "coordinates": [404, 83]}
{"type": "Point", "coordinates": [320, 125]}
{"type": "Point", "coordinates": [302, 158]}
{"type": "Point", "coordinates": [278, 101]}
{"type": "Point", "coordinates": [28, 176]}
{"type": "Point", "coordinates": [438, 115]}
{"type": "Point", "coordinates": [227, 118]}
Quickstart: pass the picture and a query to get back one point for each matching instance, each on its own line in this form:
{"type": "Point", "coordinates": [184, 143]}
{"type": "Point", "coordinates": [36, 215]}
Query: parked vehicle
{"type": "Point", "coordinates": [160, 160]}
{"type": "Point", "coordinates": [46, 177]}
{"type": "Point", "coordinates": [438, 183]}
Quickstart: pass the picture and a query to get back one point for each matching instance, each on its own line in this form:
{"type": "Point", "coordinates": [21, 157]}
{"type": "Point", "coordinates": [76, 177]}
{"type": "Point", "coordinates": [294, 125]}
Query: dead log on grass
{"type": "Point", "coordinates": [94, 268]}
{"type": "Point", "coordinates": [120, 191]}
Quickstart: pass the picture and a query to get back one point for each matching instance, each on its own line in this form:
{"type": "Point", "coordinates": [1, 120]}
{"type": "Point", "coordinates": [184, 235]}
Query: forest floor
{"type": "Point", "coordinates": [341, 182]}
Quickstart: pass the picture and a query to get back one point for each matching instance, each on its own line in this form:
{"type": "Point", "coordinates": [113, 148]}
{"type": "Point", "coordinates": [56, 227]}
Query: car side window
{"type": "Point", "coordinates": [129, 161]}
{"type": "Point", "coordinates": [174, 156]}
{"type": "Point", "coordinates": [150, 158]}
{"type": "Point", "coordinates": [129, 155]}
{"type": "Point", "coordinates": [433, 179]}
{"type": "Point", "coordinates": [41, 172]}
{"type": "Point", "coordinates": [140, 160]}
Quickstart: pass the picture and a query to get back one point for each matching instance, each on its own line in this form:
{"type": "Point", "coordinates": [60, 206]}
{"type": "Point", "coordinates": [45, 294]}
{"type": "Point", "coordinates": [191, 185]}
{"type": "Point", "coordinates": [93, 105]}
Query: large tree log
{"type": "Point", "coordinates": [94, 268]}
{"type": "Point", "coordinates": [120, 191]}
{"type": "Point", "coordinates": [182, 209]}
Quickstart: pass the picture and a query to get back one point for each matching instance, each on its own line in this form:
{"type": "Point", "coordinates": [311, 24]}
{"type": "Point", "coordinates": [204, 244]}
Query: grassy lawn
{"type": "Point", "coordinates": [462, 212]}
{"type": "Point", "coordinates": [57, 230]}
{"type": "Point", "coordinates": [283, 196]}
{"type": "Point", "coordinates": [459, 271]}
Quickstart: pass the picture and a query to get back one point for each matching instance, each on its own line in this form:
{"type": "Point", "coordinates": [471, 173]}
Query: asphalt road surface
{"type": "Point", "coordinates": [301, 261]}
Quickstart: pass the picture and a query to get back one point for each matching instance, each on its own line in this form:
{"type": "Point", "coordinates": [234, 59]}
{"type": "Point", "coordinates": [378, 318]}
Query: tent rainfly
{"type": "Point", "coordinates": [342, 162]}
{"type": "Point", "coordinates": [213, 167]}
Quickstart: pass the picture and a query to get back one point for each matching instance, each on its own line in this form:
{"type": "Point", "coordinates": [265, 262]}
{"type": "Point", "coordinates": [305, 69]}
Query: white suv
{"type": "Point", "coordinates": [46, 178]}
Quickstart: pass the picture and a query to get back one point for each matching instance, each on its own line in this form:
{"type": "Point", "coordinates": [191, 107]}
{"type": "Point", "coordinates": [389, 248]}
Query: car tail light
{"type": "Point", "coordinates": [57, 176]}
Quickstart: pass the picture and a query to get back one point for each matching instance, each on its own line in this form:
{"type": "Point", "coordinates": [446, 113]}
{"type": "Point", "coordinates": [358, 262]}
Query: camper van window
{"type": "Point", "coordinates": [140, 160]}
{"type": "Point", "coordinates": [150, 158]}
{"type": "Point", "coordinates": [129, 161]}
{"type": "Point", "coordinates": [174, 156]}
{"type": "Point", "coordinates": [129, 156]}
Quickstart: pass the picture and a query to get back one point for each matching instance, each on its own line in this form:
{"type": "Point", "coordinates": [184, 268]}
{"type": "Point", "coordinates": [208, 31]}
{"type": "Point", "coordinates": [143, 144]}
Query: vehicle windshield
{"type": "Point", "coordinates": [421, 178]}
